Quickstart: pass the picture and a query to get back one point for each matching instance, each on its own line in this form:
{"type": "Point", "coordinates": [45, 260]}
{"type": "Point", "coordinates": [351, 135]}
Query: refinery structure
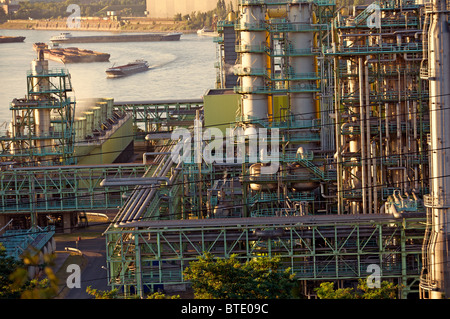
{"type": "Point", "coordinates": [350, 107]}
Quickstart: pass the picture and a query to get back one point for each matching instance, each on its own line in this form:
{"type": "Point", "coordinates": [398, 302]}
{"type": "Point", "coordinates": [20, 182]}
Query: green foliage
{"type": "Point", "coordinates": [7, 266]}
{"type": "Point", "coordinates": [45, 10]}
{"type": "Point", "coordinates": [327, 291]}
{"type": "Point", "coordinates": [3, 16]}
{"type": "Point", "coordinates": [114, 294]}
{"type": "Point", "coordinates": [159, 295]}
{"type": "Point", "coordinates": [101, 294]}
{"type": "Point", "coordinates": [220, 278]}
{"type": "Point", "coordinates": [198, 20]}
{"type": "Point", "coordinates": [14, 281]}
{"type": "Point", "coordinates": [386, 291]}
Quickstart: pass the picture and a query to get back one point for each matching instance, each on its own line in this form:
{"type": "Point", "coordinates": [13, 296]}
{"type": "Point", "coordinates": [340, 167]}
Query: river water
{"type": "Point", "coordinates": [181, 69]}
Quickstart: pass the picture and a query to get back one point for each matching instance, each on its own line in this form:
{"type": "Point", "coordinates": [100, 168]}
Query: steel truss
{"type": "Point", "coordinates": [319, 248]}
{"type": "Point", "coordinates": [64, 188]}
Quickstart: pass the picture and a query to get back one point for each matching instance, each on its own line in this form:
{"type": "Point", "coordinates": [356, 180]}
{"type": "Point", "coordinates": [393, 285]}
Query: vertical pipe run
{"type": "Point", "coordinates": [362, 137]}
{"type": "Point", "coordinates": [369, 154]}
{"type": "Point", "coordinates": [438, 202]}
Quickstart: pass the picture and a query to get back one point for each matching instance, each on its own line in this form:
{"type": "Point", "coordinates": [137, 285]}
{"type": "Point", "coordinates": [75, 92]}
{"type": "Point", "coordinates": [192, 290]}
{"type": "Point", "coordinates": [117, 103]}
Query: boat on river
{"type": "Point", "coordinates": [6, 39]}
{"type": "Point", "coordinates": [67, 37]}
{"type": "Point", "coordinates": [127, 69]}
{"type": "Point", "coordinates": [71, 55]}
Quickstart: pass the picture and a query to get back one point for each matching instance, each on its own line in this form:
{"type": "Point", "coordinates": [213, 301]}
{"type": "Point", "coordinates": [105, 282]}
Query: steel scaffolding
{"type": "Point", "coordinates": [47, 104]}
{"type": "Point", "coordinates": [352, 119]}
{"type": "Point", "coordinates": [315, 248]}
{"type": "Point", "coordinates": [381, 106]}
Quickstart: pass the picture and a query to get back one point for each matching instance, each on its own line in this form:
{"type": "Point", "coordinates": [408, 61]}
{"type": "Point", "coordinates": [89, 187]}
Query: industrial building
{"type": "Point", "coordinates": [335, 157]}
{"type": "Point", "coordinates": [168, 9]}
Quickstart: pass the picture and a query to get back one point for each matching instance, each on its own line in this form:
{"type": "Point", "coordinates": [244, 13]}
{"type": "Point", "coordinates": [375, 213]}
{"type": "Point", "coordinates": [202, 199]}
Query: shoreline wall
{"type": "Point", "coordinates": [97, 25]}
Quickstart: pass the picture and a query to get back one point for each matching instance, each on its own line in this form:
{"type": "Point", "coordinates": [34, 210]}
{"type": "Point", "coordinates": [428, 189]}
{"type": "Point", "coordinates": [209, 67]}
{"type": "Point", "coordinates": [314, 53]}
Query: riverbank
{"type": "Point", "coordinates": [95, 24]}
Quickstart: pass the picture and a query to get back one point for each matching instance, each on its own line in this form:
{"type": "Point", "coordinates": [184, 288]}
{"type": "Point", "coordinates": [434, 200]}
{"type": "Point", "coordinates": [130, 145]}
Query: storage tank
{"type": "Point", "coordinates": [110, 106]}
{"type": "Point", "coordinates": [89, 122]}
{"type": "Point", "coordinates": [80, 129]}
{"type": "Point", "coordinates": [295, 169]}
{"type": "Point", "coordinates": [97, 117]}
{"type": "Point", "coordinates": [256, 176]}
{"type": "Point", "coordinates": [104, 111]}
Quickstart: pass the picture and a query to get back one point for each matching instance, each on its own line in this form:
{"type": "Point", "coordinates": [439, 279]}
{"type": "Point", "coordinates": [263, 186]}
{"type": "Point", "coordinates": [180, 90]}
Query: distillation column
{"type": "Point", "coordinates": [438, 202]}
{"type": "Point", "coordinates": [301, 64]}
{"type": "Point", "coordinates": [254, 106]}
{"type": "Point", "coordinates": [302, 103]}
{"type": "Point", "coordinates": [41, 84]}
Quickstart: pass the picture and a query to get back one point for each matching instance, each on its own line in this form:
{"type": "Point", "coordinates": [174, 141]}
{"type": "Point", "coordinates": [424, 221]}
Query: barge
{"type": "Point", "coordinates": [71, 55]}
{"type": "Point", "coordinates": [6, 39]}
{"type": "Point", "coordinates": [67, 37]}
{"type": "Point", "coordinates": [128, 69]}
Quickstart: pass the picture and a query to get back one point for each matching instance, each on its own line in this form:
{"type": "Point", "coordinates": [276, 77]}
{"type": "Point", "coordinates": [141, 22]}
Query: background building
{"type": "Point", "coordinates": [167, 9]}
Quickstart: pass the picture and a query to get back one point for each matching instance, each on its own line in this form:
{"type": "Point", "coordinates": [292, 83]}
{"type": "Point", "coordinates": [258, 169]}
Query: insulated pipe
{"type": "Point", "coordinates": [133, 181]}
{"type": "Point", "coordinates": [141, 205]}
{"type": "Point", "coordinates": [438, 201]}
{"type": "Point", "coordinates": [322, 192]}
{"type": "Point", "coordinates": [369, 154]}
{"type": "Point", "coordinates": [144, 156]}
{"type": "Point", "coordinates": [138, 194]}
{"type": "Point", "coordinates": [362, 137]}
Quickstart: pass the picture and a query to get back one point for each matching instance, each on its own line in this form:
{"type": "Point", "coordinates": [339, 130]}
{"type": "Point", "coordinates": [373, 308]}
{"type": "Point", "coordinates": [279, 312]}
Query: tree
{"type": "Point", "coordinates": [228, 278]}
{"type": "Point", "coordinates": [7, 266]}
{"type": "Point", "coordinates": [101, 294]}
{"type": "Point", "coordinates": [387, 291]}
{"type": "Point", "coordinates": [3, 16]}
{"type": "Point", "coordinates": [114, 294]}
{"type": "Point", "coordinates": [14, 281]}
{"type": "Point", "coordinates": [177, 17]}
{"type": "Point", "coordinates": [327, 291]}
{"type": "Point", "coordinates": [159, 295]}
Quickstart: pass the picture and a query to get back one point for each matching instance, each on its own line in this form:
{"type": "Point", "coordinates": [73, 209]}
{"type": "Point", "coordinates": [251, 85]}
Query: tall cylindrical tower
{"type": "Point", "coordinates": [438, 202]}
{"type": "Point", "coordinates": [301, 61]}
{"type": "Point", "coordinates": [253, 62]}
{"type": "Point", "coordinates": [41, 86]}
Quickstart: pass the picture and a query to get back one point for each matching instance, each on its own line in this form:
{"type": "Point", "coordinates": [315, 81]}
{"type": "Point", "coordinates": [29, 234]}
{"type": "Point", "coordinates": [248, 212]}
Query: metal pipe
{"type": "Point", "coordinates": [438, 201]}
{"type": "Point", "coordinates": [370, 190]}
{"type": "Point", "coordinates": [144, 204]}
{"type": "Point", "coordinates": [322, 192]}
{"type": "Point", "coordinates": [128, 212]}
{"type": "Point", "coordinates": [132, 181]}
{"type": "Point", "coordinates": [144, 156]}
{"type": "Point", "coordinates": [362, 137]}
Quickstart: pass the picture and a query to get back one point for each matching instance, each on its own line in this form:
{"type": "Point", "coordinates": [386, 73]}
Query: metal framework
{"type": "Point", "coordinates": [156, 116]}
{"type": "Point", "coordinates": [47, 96]}
{"type": "Point", "coordinates": [381, 106]}
{"type": "Point", "coordinates": [315, 248]}
{"type": "Point", "coordinates": [64, 188]}
{"type": "Point", "coordinates": [301, 213]}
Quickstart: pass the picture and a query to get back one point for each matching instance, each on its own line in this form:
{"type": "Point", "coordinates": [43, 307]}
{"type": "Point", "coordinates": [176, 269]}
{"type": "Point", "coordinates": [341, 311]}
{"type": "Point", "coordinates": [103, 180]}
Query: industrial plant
{"type": "Point", "coordinates": [329, 152]}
